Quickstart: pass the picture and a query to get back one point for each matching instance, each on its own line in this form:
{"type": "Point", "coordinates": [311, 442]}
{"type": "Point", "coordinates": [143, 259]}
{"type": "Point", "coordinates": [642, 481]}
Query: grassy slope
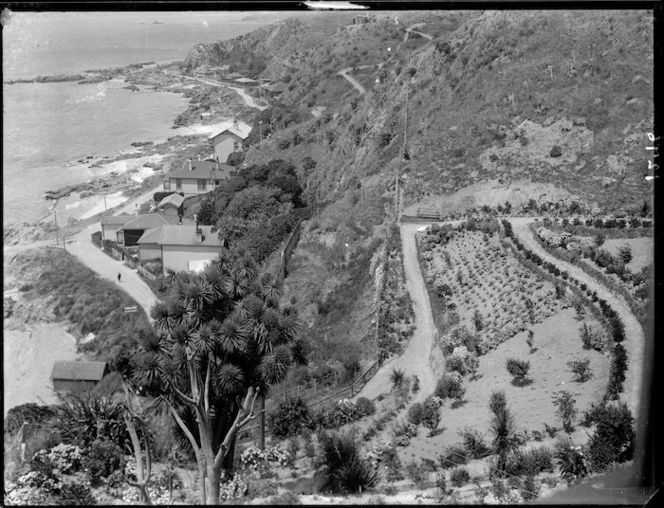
{"type": "Point", "coordinates": [74, 293]}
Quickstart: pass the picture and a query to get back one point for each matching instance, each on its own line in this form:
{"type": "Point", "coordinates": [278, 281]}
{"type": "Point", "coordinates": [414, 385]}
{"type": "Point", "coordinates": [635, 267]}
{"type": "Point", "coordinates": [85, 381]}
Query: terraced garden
{"type": "Point", "coordinates": [487, 290]}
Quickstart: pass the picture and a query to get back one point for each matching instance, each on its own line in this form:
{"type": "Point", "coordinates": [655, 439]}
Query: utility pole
{"type": "Point", "coordinates": [260, 132]}
{"type": "Point", "coordinates": [105, 207]}
{"type": "Point", "coordinates": [403, 152]}
{"type": "Point", "coordinates": [55, 219]}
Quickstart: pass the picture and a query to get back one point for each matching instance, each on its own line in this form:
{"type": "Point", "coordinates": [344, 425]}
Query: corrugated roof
{"type": "Point", "coordinates": [150, 236]}
{"type": "Point", "coordinates": [116, 219]}
{"type": "Point", "coordinates": [149, 221]}
{"type": "Point", "coordinates": [240, 129]}
{"type": "Point", "coordinates": [185, 234]}
{"type": "Point", "coordinates": [173, 199]}
{"type": "Point", "coordinates": [202, 169]}
{"type": "Point", "coordinates": [81, 371]}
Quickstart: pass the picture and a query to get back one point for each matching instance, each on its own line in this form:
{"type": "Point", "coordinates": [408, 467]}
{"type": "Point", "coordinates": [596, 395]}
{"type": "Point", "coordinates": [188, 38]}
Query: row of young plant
{"type": "Point", "coordinates": [615, 323]}
{"type": "Point", "coordinates": [395, 309]}
{"type": "Point", "coordinates": [641, 281]}
{"type": "Point", "coordinates": [637, 219]}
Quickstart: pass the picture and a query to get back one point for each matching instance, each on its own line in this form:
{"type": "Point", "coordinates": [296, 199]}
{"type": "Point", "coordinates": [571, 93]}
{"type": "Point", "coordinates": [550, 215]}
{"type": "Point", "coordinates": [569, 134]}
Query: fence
{"type": "Point", "coordinates": [251, 433]}
{"type": "Point", "coordinates": [429, 213]}
{"type": "Point", "coordinates": [145, 273]}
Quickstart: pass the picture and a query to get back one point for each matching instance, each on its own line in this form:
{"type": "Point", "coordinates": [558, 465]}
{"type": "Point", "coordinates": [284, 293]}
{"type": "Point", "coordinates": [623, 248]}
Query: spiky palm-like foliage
{"type": "Point", "coordinates": [502, 429]}
{"type": "Point", "coordinates": [218, 342]}
{"type": "Point", "coordinates": [346, 471]}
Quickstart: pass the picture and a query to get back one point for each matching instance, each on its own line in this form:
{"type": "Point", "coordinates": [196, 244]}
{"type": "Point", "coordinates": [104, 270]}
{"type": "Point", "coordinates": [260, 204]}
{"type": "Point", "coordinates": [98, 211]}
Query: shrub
{"type": "Point", "coordinates": [416, 473]}
{"type": "Point", "coordinates": [290, 418]}
{"type": "Point", "coordinates": [473, 443]}
{"type": "Point", "coordinates": [450, 386]}
{"type": "Point", "coordinates": [454, 456]}
{"type": "Point", "coordinates": [613, 440]}
{"type": "Point", "coordinates": [415, 413]}
{"type": "Point", "coordinates": [571, 460]}
{"type": "Point", "coordinates": [566, 409]}
{"type": "Point", "coordinates": [617, 372]}
{"type": "Point", "coordinates": [581, 369]}
{"type": "Point", "coordinates": [431, 412]}
{"type": "Point", "coordinates": [365, 406]}
{"type": "Point", "coordinates": [345, 470]}
{"type": "Point", "coordinates": [416, 384]}
{"type": "Point", "coordinates": [518, 368]}
{"type": "Point", "coordinates": [556, 151]}
{"type": "Point", "coordinates": [102, 459]}
{"type": "Point", "coordinates": [459, 476]}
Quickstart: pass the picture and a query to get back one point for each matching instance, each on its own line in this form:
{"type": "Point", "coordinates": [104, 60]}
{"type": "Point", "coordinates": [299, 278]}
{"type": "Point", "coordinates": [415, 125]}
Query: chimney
{"type": "Point", "coordinates": [190, 165]}
{"type": "Point", "coordinates": [180, 219]}
{"type": "Point", "coordinates": [235, 123]}
{"type": "Point", "coordinates": [217, 163]}
{"type": "Point", "coordinates": [199, 234]}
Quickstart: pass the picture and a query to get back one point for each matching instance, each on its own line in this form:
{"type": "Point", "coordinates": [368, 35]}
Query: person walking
{"type": "Point", "coordinates": [119, 277]}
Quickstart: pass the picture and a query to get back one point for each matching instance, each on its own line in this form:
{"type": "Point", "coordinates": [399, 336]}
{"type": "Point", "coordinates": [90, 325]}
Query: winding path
{"type": "Point", "coordinates": [635, 337]}
{"type": "Point", "coordinates": [248, 99]}
{"type": "Point", "coordinates": [351, 80]}
{"type": "Point", "coordinates": [415, 358]}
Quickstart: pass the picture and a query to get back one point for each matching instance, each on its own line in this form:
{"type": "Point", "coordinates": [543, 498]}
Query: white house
{"type": "Point", "coordinates": [229, 140]}
{"type": "Point", "coordinates": [185, 246]}
{"type": "Point", "coordinates": [171, 204]}
{"type": "Point", "coordinates": [197, 177]}
{"type": "Point", "coordinates": [148, 245]}
{"type": "Point", "coordinates": [111, 223]}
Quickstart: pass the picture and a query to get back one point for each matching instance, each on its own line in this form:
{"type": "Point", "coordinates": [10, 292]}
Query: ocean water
{"type": "Point", "coordinates": [48, 127]}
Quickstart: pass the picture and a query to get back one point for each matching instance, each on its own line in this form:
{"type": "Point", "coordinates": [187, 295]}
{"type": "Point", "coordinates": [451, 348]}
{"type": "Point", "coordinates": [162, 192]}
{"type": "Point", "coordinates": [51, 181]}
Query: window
{"type": "Point", "coordinates": [236, 146]}
{"type": "Point", "coordinates": [167, 185]}
{"type": "Point", "coordinates": [202, 184]}
{"type": "Point", "coordinates": [178, 184]}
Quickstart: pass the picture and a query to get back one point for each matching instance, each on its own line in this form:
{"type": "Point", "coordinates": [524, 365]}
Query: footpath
{"type": "Point", "coordinates": [415, 358]}
{"type": "Point", "coordinates": [635, 338]}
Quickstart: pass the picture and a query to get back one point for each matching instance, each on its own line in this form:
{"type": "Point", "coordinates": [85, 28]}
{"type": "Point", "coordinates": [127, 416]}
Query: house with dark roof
{"type": "Point", "coordinates": [229, 139]}
{"type": "Point", "coordinates": [111, 223]}
{"type": "Point", "coordinates": [188, 247]}
{"type": "Point", "coordinates": [129, 234]}
{"type": "Point", "coordinates": [77, 376]}
{"type": "Point", "coordinates": [197, 177]}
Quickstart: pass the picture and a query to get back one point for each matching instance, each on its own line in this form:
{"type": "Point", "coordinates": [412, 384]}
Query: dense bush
{"type": "Point", "coordinates": [613, 440]}
{"type": "Point", "coordinates": [473, 443]}
{"type": "Point", "coordinates": [415, 413]}
{"type": "Point", "coordinates": [454, 456]}
{"type": "Point", "coordinates": [518, 368]}
{"type": "Point", "coordinates": [617, 372]}
{"type": "Point", "coordinates": [566, 409]}
{"type": "Point", "coordinates": [365, 406]}
{"type": "Point", "coordinates": [450, 386]}
{"type": "Point", "coordinates": [459, 476]}
{"type": "Point", "coordinates": [290, 418]}
{"type": "Point", "coordinates": [103, 458]}
{"type": "Point", "coordinates": [431, 412]}
{"type": "Point", "coordinates": [581, 369]}
{"type": "Point", "coordinates": [27, 413]}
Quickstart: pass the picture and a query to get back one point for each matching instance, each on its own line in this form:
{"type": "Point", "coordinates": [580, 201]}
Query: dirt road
{"type": "Point", "coordinates": [415, 359]}
{"type": "Point", "coordinates": [635, 341]}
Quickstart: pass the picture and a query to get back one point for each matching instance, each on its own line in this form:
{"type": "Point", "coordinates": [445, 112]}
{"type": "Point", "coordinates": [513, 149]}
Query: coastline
{"type": "Point", "coordinates": [31, 332]}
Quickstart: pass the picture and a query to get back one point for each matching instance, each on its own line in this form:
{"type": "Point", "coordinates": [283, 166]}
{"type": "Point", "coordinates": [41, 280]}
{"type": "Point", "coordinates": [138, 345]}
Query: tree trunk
{"type": "Point", "coordinates": [214, 481]}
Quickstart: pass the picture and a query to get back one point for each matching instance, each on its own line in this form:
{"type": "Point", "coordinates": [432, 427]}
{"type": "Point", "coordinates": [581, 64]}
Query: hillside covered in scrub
{"type": "Point", "coordinates": [561, 97]}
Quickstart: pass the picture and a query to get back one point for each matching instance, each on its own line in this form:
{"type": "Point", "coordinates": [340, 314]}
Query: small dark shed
{"type": "Point", "coordinates": [77, 376]}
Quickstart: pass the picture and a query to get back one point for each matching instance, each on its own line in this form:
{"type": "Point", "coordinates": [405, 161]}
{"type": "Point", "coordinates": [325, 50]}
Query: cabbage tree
{"type": "Point", "coordinates": [217, 343]}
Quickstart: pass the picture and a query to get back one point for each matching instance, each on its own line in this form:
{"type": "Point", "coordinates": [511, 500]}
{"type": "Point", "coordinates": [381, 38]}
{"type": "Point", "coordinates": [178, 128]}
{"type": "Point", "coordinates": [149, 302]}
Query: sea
{"type": "Point", "coordinates": [49, 127]}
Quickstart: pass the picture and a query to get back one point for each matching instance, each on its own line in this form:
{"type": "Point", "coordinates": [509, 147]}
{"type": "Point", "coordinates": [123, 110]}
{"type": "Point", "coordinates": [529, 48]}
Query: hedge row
{"type": "Point", "coordinates": [616, 325]}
